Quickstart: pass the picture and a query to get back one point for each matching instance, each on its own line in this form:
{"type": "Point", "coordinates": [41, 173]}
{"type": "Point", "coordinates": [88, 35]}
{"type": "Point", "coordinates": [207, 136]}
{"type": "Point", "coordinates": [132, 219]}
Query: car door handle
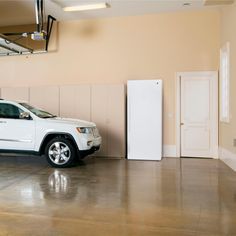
{"type": "Point", "coordinates": [3, 121]}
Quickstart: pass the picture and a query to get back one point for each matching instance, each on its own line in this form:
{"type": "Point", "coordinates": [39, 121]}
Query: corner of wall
{"type": "Point", "coordinates": [169, 151]}
{"type": "Point", "coordinates": [228, 158]}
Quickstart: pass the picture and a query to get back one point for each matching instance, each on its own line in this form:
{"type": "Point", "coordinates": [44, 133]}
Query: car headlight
{"type": "Point", "coordinates": [84, 130]}
{"type": "Point", "coordinates": [96, 132]}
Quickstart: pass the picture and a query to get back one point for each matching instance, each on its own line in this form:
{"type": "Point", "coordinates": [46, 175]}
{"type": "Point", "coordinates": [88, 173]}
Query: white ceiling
{"type": "Point", "coordinates": [17, 12]}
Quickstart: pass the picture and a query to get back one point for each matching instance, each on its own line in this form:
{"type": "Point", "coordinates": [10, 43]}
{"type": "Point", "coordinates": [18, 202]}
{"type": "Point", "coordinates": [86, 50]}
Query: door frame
{"type": "Point", "coordinates": [215, 134]}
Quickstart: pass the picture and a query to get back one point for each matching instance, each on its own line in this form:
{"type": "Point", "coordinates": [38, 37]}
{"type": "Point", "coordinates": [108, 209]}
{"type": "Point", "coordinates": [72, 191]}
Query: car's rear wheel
{"type": "Point", "coordinates": [60, 152]}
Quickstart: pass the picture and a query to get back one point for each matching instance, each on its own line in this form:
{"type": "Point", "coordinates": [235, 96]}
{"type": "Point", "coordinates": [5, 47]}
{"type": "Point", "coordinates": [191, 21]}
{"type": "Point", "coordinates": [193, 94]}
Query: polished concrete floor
{"type": "Point", "coordinates": [117, 197]}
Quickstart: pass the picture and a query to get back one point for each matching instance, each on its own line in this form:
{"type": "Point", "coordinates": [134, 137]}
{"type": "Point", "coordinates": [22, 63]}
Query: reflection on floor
{"type": "Point", "coordinates": [117, 197]}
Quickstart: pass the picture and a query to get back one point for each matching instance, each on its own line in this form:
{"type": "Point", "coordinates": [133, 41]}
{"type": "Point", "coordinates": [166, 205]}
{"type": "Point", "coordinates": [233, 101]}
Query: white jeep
{"type": "Point", "coordinates": [26, 129]}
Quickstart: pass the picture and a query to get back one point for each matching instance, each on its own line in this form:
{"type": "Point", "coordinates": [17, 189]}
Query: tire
{"type": "Point", "coordinates": [60, 152]}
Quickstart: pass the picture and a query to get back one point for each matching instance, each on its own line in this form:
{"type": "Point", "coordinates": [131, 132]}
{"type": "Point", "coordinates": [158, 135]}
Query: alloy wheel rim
{"type": "Point", "coordinates": [59, 153]}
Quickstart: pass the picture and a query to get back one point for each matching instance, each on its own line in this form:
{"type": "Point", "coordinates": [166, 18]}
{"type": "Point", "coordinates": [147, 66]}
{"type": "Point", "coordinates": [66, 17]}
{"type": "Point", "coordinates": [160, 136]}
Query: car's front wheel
{"type": "Point", "coordinates": [60, 152]}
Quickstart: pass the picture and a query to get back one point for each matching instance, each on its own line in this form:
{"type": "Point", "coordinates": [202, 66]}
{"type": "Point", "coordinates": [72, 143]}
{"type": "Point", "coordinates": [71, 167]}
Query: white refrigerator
{"type": "Point", "coordinates": [144, 119]}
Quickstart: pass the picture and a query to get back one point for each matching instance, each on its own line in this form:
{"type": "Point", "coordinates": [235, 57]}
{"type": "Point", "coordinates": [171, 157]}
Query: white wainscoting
{"type": "Point", "coordinates": [228, 158]}
{"type": "Point", "coordinates": [102, 104]}
{"type": "Point", "coordinates": [15, 94]}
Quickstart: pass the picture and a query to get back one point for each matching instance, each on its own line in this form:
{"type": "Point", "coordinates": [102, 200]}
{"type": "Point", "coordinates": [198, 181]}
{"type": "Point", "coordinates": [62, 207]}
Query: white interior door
{"type": "Point", "coordinates": [198, 115]}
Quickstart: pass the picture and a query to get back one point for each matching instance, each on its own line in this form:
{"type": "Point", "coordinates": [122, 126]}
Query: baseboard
{"type": "Point", "coordinates": [169, 151]}
{"type": "Point", "coordinates": [228, 158]}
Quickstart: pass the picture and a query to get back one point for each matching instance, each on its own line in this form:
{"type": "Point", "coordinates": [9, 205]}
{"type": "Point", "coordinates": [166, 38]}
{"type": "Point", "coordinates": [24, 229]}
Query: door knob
{"type": "Point", "coordinates": [181, 123]}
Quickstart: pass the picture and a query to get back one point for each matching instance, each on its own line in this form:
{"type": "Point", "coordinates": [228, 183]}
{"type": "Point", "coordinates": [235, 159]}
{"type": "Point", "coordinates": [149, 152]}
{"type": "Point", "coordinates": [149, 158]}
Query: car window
{"type": "Point", "coordinates": [9, 111]}
{"type": "Point", "coordinates": [38, 112]}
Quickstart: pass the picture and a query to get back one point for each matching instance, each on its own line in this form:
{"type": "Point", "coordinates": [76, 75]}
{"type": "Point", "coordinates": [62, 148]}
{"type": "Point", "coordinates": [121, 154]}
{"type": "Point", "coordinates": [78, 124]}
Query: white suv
{"type": "Point", "coordinates": [24, 128]}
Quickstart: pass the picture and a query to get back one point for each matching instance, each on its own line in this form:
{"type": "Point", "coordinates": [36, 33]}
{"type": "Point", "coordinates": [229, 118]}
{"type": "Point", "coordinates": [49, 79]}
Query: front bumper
{"type": "Point", "coordinates": [85, 153]}
{"type": "Point", "coordinates": [87, 141]}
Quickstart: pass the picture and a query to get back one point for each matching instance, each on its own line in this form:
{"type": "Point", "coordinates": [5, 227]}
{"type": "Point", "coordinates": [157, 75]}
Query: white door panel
{"type": "Point", "coordinates": [196, 100]}
{"type": "Point", "coordinates": [17, 134]}
{"type": "Point", "coordinates": [192, 142]}
{"type": "Point", "coordinates": [196, 116]}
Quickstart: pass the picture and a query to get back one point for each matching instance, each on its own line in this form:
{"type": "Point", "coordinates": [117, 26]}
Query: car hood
{"type": "Point", "coordinates": [77, 122]}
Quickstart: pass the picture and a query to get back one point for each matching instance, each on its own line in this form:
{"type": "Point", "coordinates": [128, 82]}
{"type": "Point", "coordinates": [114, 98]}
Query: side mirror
{"type": "Point", "coordinates": [25, 115]}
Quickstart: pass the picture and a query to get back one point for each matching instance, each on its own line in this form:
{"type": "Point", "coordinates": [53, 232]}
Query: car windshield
{"type": "Point", "coordinates": [37, 112]}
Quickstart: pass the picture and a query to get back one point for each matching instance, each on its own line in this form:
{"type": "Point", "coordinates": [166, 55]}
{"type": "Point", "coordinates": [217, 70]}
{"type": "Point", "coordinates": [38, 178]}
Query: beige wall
{"type": "Point", "coordinates": [228, 33]}
{"type": "Point", "coordinates": [117, 49]}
